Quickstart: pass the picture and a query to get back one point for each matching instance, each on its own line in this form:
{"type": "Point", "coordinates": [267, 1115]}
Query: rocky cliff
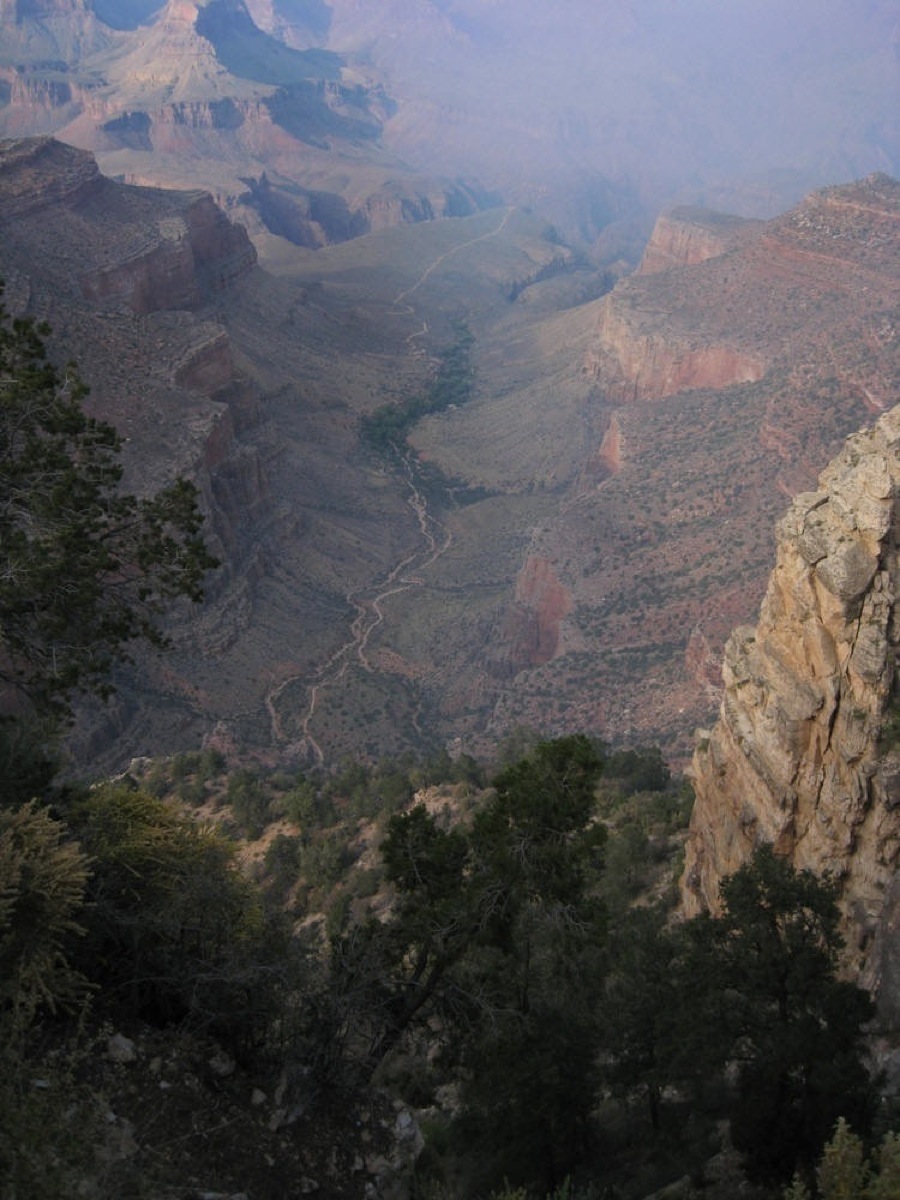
{"type": "Point", "coordinates": [719, 301]}
{"type": "Point", "coordinates": [806, 753]}
{"type": "Point", "coordinates": [128, 279]}
{"type": "Point", "coordinates": [685, 237]}
{"type": "Point", "coordinates": [200, 96]}
{"type": "Point", "coordinates": [152, 254]}
{"type": "Point", "coordinates": [212, 369]}
{"type": "Point", "coordinates": [649, 342]}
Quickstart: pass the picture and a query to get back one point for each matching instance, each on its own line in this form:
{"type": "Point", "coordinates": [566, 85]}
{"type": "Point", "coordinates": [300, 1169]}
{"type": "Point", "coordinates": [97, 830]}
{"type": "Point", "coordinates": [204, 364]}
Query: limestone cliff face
{"type": "Point", "coordinates": [802, 755]}
{"type": "Point", "coordinates": [644, 349]}
{"type": "Point", "coordinates": [176, 263]}
{"type": "Point", "coordinates": [39, 173]}
{"type": "Point", "coordinates": [174, 259]}
{"type": "Point", "coordinates": [531, 628]}
{"type": "Point", "coordinates": [126, 277]}
{"type": "Point", "coordinates": [638, 360]}
{"type": "Point", "coordinates": [688, 236]}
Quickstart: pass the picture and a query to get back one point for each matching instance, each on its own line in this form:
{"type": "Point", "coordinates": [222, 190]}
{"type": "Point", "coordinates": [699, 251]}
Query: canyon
{"type": "Point", "coordinates": [572, 545]}
{"type": "Point", "coordinates": [267, 231]}
{"type": "Point", "coordinates": [203, 97]}
{"type": "Point", "coordinates": [320, 121]}
{"type": "Point", "coordinates": [570, 548]}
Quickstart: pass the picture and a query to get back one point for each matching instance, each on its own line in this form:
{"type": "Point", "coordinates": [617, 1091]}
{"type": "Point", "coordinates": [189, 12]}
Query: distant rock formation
{"type": "Point", "coordinates": [718, 299]}
{"type": "Point", "coordinates": [687, 236]}
{"type": "Point", "coordinates": [806, 751]}
{"type": "Point", "coordinates": [170, 256]}
{"type": "Point", "coordinates": [202, 97]}
{"type": "Point", "coordinates": [641, 353]}
{"type": "Point", "coordinates": [126, 278]}
{"type": "Point", "coordinates": [213, 370]}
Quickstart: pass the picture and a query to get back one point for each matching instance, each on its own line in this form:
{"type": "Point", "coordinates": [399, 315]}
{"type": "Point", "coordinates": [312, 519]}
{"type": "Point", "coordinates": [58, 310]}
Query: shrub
{"type": "Point", "coordinates": [42, 884]}
{"type": "Point", "coordinates": [173, 929]}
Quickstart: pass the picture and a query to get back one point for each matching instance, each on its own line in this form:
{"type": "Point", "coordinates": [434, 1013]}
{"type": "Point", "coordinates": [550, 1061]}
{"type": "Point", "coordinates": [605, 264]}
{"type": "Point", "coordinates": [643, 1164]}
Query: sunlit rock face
{"type": "Point", "coordinates": [685, 237]}
{"type": "Point", "coordinates": [805, 752]}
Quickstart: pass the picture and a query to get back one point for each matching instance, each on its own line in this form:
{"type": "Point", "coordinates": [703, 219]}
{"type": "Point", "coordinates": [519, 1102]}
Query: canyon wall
{"type": "Point", "coordinates": [685, 237]}
{"type": "Point", "coordinates": [126, 277]}
{"type": "Point", "coordinates": [201, 97]}
{"type": "Point", "coordinates": [806, 751]}
{"type": "Point", "coordinates": [644, 348]}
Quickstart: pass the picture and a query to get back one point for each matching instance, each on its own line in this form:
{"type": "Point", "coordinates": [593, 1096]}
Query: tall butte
{"type": "Point", "coordinates": [806, 751]}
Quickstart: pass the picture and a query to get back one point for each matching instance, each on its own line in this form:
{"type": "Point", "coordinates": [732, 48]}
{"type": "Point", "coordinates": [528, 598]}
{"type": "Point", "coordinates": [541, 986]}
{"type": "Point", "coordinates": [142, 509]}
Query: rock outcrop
{"type": "Point", "coordinates": [721, 302]}
{"type": "Point", "coordinates": [685, 237]}
{"type": "Point", "coordinates": [126, 278]}
{"type": "Point", "coordinates": [641, 352]}
{"type": "Point", "coordinates": [200, 96]}
{"type": "Point", "coordinates": [531, 633]}
{"type": "Point", "coordinates": [163, 256]}
{"type": "Point", "coordinates": [655, 362]}
{"type": "Point", "coordinates": [805, 752]}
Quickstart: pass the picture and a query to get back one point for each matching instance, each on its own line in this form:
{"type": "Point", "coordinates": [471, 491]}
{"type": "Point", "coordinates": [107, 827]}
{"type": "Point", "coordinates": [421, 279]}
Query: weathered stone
{"type": "Point", "coordinates": [847, 570]}
{"type": "Point", "coordinates": [797, 757]}
{"type": "Point", "coordinates": [121, 1049]}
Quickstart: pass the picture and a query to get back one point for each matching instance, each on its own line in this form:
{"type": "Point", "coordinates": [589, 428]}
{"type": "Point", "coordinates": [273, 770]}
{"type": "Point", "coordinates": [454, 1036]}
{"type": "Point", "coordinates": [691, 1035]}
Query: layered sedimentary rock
{"type": "Point", "coordinates": [532, 624]}
{"type": "Point", "coordinates": [125, 277]}
{"type": "Point", "coordinates": [213, 370]}
{"type": "Point", "coordinates": [170, 255]}
{"type": "Point", "coordinates": [721, 302]}
{"type": "Point", "coordinates": [642, 353]}
{"type": "Point", "coordinates": [805, 754]}
{"type": "Point", "coordinates": [685, 237]}
{"type": "Point", "coordinates": [654, 363]}
{"type": "Point", "coordinates": [201, 96]}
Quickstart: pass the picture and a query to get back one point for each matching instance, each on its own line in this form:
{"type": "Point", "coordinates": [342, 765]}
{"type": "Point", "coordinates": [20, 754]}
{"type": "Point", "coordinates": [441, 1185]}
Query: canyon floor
{"type": "Point", "coordinates": [567, 549]}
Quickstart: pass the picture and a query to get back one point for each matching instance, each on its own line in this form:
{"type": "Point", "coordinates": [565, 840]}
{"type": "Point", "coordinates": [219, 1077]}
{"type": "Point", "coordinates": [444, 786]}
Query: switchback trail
{"type": "Point", "coordinates": [368, 601]}
{"type": "Point", "coordinates": [482, 237]}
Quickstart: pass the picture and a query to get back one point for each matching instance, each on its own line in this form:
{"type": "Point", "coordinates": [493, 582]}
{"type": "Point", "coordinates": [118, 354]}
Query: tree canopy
{"type": "Point", "coordinates": [85, 567]}
{"type": "Point", "coordinates": [792, 1027]}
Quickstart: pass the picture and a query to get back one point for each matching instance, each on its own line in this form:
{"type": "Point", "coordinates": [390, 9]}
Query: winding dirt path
{"type": "Point", "coordinates": [368, 601]}
{"type": "Point", "coordinates": [482, 237]}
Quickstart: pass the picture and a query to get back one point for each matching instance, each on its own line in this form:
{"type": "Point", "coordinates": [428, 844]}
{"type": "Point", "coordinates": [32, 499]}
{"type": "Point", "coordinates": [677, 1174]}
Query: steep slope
{"type": "Point", "coordinates": [805, 754]}
{"type": "Point", "coordinates": [639, 448]}
{"type": "Point", "coordinates": [254, 387]}
{"type": "Point", "coordinates": [201, 96]}
{"type": "Point", "coordinates": [567, 548]}
{"type": "Point", "coordinates": [128, 279]}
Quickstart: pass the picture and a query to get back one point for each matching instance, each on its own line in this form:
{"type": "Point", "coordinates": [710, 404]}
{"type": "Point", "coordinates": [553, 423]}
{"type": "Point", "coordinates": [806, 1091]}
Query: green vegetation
{"type": "Point", "coordinates": [794, 1028]}
{"type": "Point", "coordinates": [492, 946]}
{"type": "Point", "coordinates": [386, 428]}
{"type": "Point", "coordinates": [87, 568]}
{"type": "Point", "coordinates": [844, 1173]}
{"type": "Point", "coordinates": [576, 1031]}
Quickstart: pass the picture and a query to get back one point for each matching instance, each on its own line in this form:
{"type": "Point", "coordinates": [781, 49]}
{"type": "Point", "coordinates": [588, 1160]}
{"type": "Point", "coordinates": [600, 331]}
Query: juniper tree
{"type": "Point", "coordinates": [85, 567]}
{"type": "Point", "coordinates": [794, 1029]}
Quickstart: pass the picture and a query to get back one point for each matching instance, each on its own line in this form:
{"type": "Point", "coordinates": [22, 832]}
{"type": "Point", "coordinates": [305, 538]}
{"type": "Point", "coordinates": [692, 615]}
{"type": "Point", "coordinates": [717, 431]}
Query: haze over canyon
{"type": "Point", "coordinates": [570, 544]}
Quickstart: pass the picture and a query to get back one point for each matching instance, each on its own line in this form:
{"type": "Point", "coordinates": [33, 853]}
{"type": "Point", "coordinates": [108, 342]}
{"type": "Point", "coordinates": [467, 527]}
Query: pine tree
{"type": "Point", "coordinates": [85, 568]}
{"type": "Point", "coordinates": [794, 1028]}
{"type": "Point", "coordinates": [842, 1172]}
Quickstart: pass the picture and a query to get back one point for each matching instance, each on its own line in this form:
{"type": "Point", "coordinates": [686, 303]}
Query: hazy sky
{"type": "Point", "coordinates": [670, 94]}
{"type": "Point", "coordinates": [740, 104]}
